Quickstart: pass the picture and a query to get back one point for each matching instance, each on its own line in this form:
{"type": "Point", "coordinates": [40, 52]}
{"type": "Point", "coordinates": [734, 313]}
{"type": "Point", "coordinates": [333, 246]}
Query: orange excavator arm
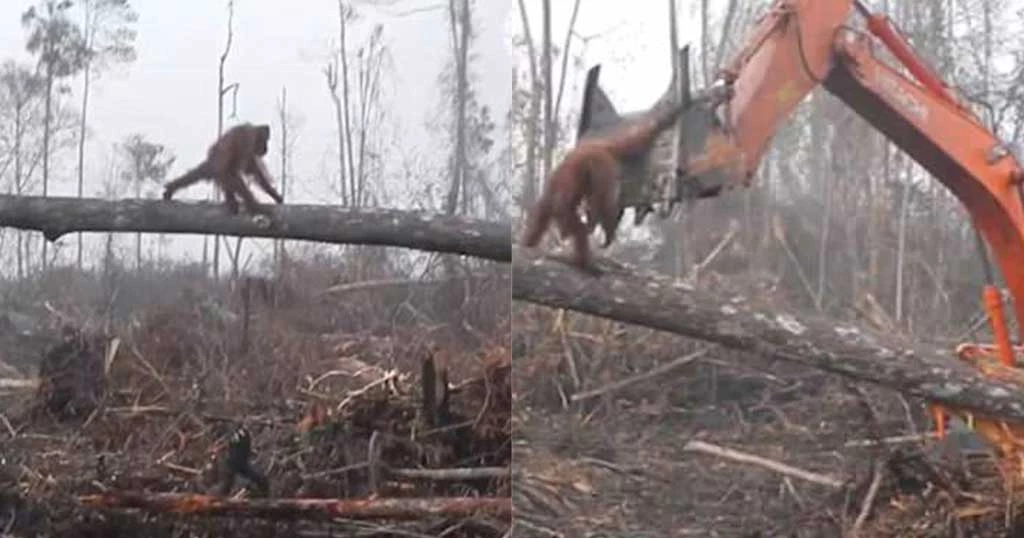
{"type": "Point", "coordinates": [799, 44]}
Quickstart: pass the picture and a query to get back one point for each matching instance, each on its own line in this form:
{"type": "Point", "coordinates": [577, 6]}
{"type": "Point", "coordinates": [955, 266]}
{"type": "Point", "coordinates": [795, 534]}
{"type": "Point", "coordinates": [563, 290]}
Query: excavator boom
{"type": "Point", "coordinates": [798, 45]}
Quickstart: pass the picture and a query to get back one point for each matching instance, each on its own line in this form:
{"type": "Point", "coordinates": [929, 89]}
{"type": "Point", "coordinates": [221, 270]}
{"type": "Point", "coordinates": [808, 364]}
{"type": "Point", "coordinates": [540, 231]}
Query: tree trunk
{"type": "Point", "coordinates": [902, 247]}
{"type": "Point", "coordinates": [57, 216]}
{"type": "Point", "coordinates": [530, 186]}
{"type": "Point", "coordinates": [46, 143]}
{"type": "Point", "coordinates": [89, 31]}
{"type": "Point", "coordinates": [758, 326]}
{"type": "Point", "coordinates": [549, 126]}
{"type": "Point", "coordinates": [220, 121]}
{"type": "Point", "coordinates": [18, 183]}
{"type": "Point", "coordinates": [279, 244]}
{"type": "Point", "coordinates": [138, 236]}
{"type": "Point", "coordinates": [346, 104]}
{"type": "Point", "coordinates": [705, 41]}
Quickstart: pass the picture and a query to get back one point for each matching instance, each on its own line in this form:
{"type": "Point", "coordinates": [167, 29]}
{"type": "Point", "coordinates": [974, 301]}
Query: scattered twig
{"type": "Point", "coordinates": [381, 508]}
{"type": "Point", "coordinates": [337, 471]}
{"type": "Point", "coordinates": [373, 462]}
{"type": "Point", "coordinates": [743, 457]}
{"type": "Point", "coordinates": [181, 468]}
{"type": "Point", "coordinates": [352, 395]}
{"type": "Point", "coordinates": [869, 500]}
{"type": "Point", "coordinates": [650, 374]}
{"type": "Point", "coordinates": [8, 383]}
{"type": "Point", "coordinates": [7, 424]}
{"type": "Point", "coordinates": [10, 522]}
{"type": "Point", "coordinates": [470, 473]}
{"type": "Point", "coordinates": [694, 273]}
{"type": "Point", "coordinates": [894, 440]}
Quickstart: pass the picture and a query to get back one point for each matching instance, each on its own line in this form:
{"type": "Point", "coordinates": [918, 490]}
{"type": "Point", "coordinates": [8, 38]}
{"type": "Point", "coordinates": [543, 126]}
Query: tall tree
{"type": "Point", "coordinates": [145, 162]}
{"type": "Point", "coordinates": [60, 48]}
{"type": "Point", "coordinates": [223, 90]}
{"type": "Point", "coordinates": [549, 120]}
{"type": "Point", "coordinates": [108, 29]}
{"type": "Point", "coordinates": [460, 24]}
{"type": "Point", "coordinates": [533, 118]}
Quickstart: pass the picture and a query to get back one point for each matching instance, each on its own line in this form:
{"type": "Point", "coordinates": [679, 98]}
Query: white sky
{"type": "Point", "coordinates": [629, 39]}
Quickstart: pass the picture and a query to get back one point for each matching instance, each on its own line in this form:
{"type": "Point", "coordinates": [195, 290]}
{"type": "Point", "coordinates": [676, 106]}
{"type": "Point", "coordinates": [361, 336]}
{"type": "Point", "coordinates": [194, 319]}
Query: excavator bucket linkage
{"type": "Point", "coordinates": [1006, 438]}
{"type": "Point", "coordinates": [662, 178]}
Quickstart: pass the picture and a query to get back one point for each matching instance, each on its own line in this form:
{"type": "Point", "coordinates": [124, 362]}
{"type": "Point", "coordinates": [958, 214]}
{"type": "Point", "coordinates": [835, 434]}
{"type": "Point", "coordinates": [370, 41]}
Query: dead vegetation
{"type": "Point", "coordinates": [136, 404]}
{"type": "Point", "coordinates": [622, 430]}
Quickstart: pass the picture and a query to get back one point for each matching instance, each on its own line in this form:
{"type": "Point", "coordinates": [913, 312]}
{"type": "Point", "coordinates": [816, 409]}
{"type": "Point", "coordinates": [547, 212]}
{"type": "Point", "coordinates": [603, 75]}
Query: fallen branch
{"type": "Point", "coordinates": [393, 508]}
{"type": "Point", "coordinates": [57, 216]}
{"type": "Point", "coordinates": [869, 501]}
{"type": "Point", "coordinates": [470, 473]}
{"type": "Point", "coordinates": [894, 440]}
{"type": "Point", "coordinates": [657, 371]}
{"type": "Point", "coordinates": [778, 467]}
{"type": "Point", "coordinates": [645, 298]}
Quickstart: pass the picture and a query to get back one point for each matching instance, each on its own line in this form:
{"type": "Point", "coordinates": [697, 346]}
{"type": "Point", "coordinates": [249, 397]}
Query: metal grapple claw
{"type": "Point", "coordinates": [685, 163]}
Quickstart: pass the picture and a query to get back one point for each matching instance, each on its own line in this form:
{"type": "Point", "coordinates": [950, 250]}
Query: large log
{"type": "Point", "coordinates": [56, 216]}
{"type": "Point", "coordinates": [382, 508]}
{"type": "Point", "coordinates": [740, 322]}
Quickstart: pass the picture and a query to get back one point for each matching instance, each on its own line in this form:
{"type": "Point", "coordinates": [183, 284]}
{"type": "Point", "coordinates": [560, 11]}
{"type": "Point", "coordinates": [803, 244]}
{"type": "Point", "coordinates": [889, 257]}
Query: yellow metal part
{"type": "Point", "coordinates": [1006, 438]}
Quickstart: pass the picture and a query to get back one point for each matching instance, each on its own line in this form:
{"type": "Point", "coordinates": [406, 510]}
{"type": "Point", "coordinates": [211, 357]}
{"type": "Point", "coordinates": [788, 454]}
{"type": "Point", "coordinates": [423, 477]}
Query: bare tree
{"type": "Point", "coordinates": [147, 162]}
{"type": "Point", "coordinates": [108, 28]}
{"type": "Point", "coordinates": [61, 50]}
{"type": "Point", "coordinates": [21, 98]}
{"type": "Point", "coordinates": [461, 29]}
{"type": "Point", "coordinates": [549, 122]}
{"type": "Point", "coordinates": [533, 117]}
{"type": "Point", "coordinates": [223, 90]}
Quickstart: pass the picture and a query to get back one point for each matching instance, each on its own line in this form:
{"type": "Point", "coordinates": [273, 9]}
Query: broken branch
{"type": "Point", "coordinates": [772, 465]}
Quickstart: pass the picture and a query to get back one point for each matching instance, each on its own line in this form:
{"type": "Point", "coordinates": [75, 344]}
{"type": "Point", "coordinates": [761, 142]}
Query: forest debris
{"type": "Point", "coordinates": [772, 465]}
{"type": "Point", "coordinates": [381, 508]}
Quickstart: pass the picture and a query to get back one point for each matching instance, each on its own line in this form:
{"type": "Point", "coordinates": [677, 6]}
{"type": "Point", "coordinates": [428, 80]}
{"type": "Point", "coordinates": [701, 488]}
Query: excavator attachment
{"type": "Point", "coordinates": [1005, 438]}
{"type": "Point", "coordinates": [660, 179]}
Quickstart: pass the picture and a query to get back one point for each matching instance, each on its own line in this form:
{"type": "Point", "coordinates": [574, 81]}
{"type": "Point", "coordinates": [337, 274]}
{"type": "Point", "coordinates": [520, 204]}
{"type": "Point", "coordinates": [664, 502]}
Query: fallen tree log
{"type": "Point", "coordinates": [57, 216]}
{"type": "Point", "coordinates": [383, 508]}
{"type": "Point", "coordinates": [644, 298]}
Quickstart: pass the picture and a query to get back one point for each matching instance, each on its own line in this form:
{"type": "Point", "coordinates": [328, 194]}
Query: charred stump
{"type": "Point", "coordinates": [71, 380]}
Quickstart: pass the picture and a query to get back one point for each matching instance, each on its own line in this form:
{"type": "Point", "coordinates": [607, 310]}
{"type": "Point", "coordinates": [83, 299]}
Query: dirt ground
{"type": "Point", "coordinates": [147, 408]}
{"type": "Point", "coordinates": [627, 462]}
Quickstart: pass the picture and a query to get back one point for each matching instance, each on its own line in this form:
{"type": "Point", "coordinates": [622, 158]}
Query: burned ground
{"type": "Point", "coordinates": [635, 461]}
{"type": "Point", "coordinates": [313, 381]}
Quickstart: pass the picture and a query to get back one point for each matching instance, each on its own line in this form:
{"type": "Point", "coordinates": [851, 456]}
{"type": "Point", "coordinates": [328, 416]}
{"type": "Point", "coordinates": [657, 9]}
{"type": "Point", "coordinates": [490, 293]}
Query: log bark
{"type": "Point", "coordinates": [742, 322]}
{"type": "Point", "coordinates": [383, 508]}
{"type": "Point", "coordinates": [55, 217]}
